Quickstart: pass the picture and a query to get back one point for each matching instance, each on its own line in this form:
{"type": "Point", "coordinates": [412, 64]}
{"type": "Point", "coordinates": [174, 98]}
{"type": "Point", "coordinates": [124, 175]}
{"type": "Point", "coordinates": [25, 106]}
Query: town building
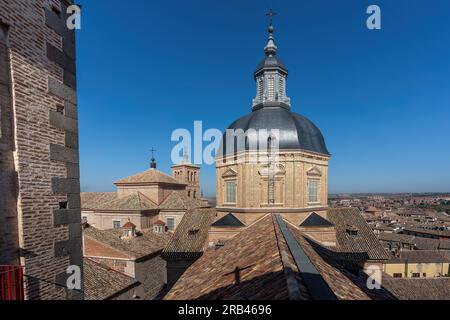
{"type": "Point", "coordinates": [40, 220]}
{"type": "Point", "coordinates": [134, 253]}
{"type": "Point", "coordinates": [188, 174]}
{"type": "Point", "coordinates": [145, 199]}
{"type": "Point", "coordinates": [104, 283]}
{"type": "Point", "coordinates": [275, 160]}
{"type": "Point", "coordinates": [418, 264]}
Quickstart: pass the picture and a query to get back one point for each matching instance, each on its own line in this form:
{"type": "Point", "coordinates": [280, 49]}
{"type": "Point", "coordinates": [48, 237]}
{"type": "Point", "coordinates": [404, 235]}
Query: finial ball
{"type": "Point", "coordinates": [271, 29]}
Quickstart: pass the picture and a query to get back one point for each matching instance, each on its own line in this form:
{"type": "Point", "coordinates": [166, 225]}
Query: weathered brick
{"type": "Point", "coordinates": [73, 170]}
{"type": "Point", "coordinates": [53, 21]}
{"type": "Point", "coordinates": [73, 201]}
{"type": "Point", "coordinates": [66, 216]}
{"type": "Point", "coordinates": [75, 230]}
{"type": "Point", "coordinates": [71, 140]}
{"type": "Point", "coordinates": [70, 110]}
{"type": "Point", "coordinates": [57, 56]}
{"type": "Point", "coordinates": [68, 247]}
{"type": "Point", "coordinates": [63, 185]}
{"type": "Point", "coordinates": [60, 90]}
{"type": "Point", "coordinates": [60, 153]}
{"type": "Point", "coordinates": [27, 135]}
{"type": "Point", "coordinates": [60, 121]}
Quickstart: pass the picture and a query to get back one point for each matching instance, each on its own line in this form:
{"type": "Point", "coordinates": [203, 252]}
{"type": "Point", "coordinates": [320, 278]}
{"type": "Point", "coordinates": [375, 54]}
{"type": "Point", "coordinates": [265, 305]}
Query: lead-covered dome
{"type": "Point", "coordinates": [271, 112]}
{"type": "Point", "coordinates": [295, 131]}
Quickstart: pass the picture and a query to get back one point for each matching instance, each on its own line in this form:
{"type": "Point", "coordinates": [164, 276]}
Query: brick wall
{"type": "Point", "coordinates": [45, 218]}
{"type": "Point", "coordinates": [9, 240]}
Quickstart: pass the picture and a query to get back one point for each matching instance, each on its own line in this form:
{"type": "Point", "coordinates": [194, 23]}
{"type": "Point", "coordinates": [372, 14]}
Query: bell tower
{"type": "Point", "coordinates": [189, 174]}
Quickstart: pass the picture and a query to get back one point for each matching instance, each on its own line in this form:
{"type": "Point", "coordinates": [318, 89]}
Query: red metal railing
{"type": "Point", "coordinates": [11, 283]}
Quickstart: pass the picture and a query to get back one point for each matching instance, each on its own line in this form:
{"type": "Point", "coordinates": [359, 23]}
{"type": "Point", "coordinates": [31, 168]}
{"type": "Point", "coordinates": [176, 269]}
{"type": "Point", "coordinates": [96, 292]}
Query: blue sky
{"type": "Point", "coordinates": [381, 98]}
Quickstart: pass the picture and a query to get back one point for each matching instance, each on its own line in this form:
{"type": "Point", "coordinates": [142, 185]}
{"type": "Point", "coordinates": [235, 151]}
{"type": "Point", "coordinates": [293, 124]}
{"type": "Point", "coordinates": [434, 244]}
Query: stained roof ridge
{"type": "Point", "coordinates": [316, 284]}
{"type": "Point", "coordinates": [292, 285]}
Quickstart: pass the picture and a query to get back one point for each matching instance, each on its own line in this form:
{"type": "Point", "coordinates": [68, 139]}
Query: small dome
{"type": "Point", "coordinates": [270, 63]}
{"type": "Point", "coordinates": [296, 131]}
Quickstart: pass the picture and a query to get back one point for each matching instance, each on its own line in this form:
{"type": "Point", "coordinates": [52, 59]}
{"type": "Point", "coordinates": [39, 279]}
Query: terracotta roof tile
{"type": "Point", "coordinates": [418, 289]}
{"type": "Point", "coordinates": [421, 256]}
{"type": "Point", "coordinates": [151, 176]}
{"type": "Point", "coordinates": [364, 242]}
{"type": "Point", "coordinates": [188, 244]}
{"type": "Point", "coordinates": [145, 243]}
{"type": "Point", "coordinates": [134, 202]}
{"type": "Point", "coordinates": [257, 264]}
{"type": "Point", "coordinates": [179, 200]}
{"type": "Point", "coordinates": [102, 282]}
{"type": "Point", "coordinates": [92, 200]}
{"type": "Point", "coordinates": [237, 270]}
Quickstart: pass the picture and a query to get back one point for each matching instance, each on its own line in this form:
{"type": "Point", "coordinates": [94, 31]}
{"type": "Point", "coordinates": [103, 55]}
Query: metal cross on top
{"type": "Point", "coordinates": [271, 14]}
{"type": "Point", "coordinates": [153, 152]}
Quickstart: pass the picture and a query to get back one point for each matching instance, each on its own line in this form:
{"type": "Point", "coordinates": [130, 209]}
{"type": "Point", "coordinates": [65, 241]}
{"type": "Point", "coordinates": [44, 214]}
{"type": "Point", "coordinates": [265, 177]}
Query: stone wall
{"type": "Point", "coordinates": [44, 173]}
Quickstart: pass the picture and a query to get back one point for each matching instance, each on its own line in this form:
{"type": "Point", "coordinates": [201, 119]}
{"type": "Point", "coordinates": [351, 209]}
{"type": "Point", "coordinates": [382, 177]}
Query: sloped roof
{"type": "Point", "coordinates": [151, 176]}
{"type": "Point", "coordinates": [417, 289]}
{"type": "Point", "coordinates": [135, 202]}
{"type": "Point", "coordinates": [179, 200]}
{"type": "Point", "coordinates": [92, 200]}
{"type": "Point", "coordinates": [439, 233]}
{"type": "Point", "coordinates": [419, 242]}
{"type": "Point", "coordinates": [145, 243]}
{"type": "Point", "coordinates": [228, 220]}
{"type": "Point", "coordinates": [102, 282]}
{"type": "Point", "coordinates": [421, 256]}
{"type": "Point", "coordinates": [259, 264]}
{"type": "Point", "coordinates": [190, 237]}
{"type": "Point", "coordinates": [365, 243]}
{"type": "Point", "coordinates": [314, 220]}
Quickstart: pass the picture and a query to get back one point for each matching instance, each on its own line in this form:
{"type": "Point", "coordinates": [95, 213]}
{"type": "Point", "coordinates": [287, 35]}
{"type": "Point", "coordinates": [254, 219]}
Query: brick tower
{"type": "Point", "coordinates": [188, 174]}
{"type": "Point", "coordinates": [40, 220]}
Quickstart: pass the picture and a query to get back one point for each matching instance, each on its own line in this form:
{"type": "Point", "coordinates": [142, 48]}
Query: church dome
{"type": "Point", "coordinates": [295, 131]}
{"type": "Point", "coordinates": [272, 113]}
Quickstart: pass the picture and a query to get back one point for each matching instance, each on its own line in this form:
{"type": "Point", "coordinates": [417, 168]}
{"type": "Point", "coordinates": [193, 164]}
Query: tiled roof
{"type": "Point", "coordinates": [421, 256]}
{"type": "Point", "coordinates": [417, 289]}
{"type": "Point", "coordinates": [92, 200]}
{"type": "Point", "coordinates": [151, 176]}
{"type": "Point", "coordinates": [438, 233]}
{"type": "Point", "coordinates": [129, 225]}
{"type": "Point", "coordinates": [228, 220]}
{"type": "Point", "coordinates": [314, 220]}
{"type": "Point", "coordinates": [145, 243]}
{"type": "Point", "coordinates": [134, 202]}
{"type": "Point", "coordinates": [179, 200]}
{"type": "Point", "coordinates": [190, 237]}
{"type": "Point", "coordinates": [259, 264]}
{"type": "Point", "coordinates": [102, 283]}
{"type": "Point", "coordinates": [364, 242]}
{"type": "Point", "coordinates": [419, 242]}
{"type": "Point", "coordinates": [339, 282]}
